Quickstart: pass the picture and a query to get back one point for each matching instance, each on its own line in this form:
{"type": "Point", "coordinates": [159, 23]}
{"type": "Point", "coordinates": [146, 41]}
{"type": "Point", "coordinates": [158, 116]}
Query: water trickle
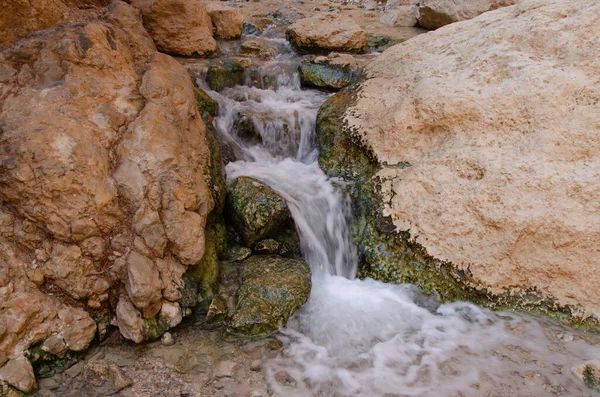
{"type": "Point", "coordinates": [362, 337]}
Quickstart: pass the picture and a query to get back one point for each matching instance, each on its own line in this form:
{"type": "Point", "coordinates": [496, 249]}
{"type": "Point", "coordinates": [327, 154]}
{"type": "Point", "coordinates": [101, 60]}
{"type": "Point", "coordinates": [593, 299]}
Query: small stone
{"type": "Point", "coordinates": [48, 383]}
{"type": "Point", "coordinates": [225, 369]}
{"type": "Point", "coordinates": [256, 365]}
{"type": "Point", "coordinates": [18, 373]}
{"type": "Point", "coordinates": [36, 276]}
{"type": "Point", "coordinates": [167, 339]}
{"type": "Point", "coordinates": [104, 379]}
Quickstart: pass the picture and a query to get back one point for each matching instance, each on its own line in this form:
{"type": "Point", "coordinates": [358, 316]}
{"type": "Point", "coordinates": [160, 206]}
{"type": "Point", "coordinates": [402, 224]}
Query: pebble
{"type": "Point", "coordinates": [167, 339]}
{"type": "Point", "coordinates": [225, 369]}
{"type": "Point", "coordinates": [256, 365]}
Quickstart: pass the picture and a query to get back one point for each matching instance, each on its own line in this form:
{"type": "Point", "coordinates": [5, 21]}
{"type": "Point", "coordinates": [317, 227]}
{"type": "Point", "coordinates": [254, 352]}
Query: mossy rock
{"type": "Point", "coordinates": [224, 74]}
{"type": "Point", "coordinates": [46, 365]}
{"type": "Point", "coordinates": [325, 75]}
{"type": "Point", "coordinates": [256, 210]}
{"type": "Point", "coordinates": [250, 29]}
{"type": "Point", "coordinates": [207, 106]}
{"type": "Point", "coordinates": [272, 288]}
{"type": "Point", "coordinates": [380, 43]}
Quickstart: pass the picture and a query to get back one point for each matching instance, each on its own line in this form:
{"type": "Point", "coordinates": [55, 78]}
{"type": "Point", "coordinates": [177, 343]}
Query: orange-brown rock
{"type": "Point", "coordinates": [327, 32]}
{"type": "Point", "coordinates": [180, 27]}
{"type": "Point", "coordinates": [103, 184]}
{"type": "Point", "coordinates": [227, 21]}
{"type": "Point", "coordinates": [19, 18]}
{"type": "Point", "coordinates": [487, 135]}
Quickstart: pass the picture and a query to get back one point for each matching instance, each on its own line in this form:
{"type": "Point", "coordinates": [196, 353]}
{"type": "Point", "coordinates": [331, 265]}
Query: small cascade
{"type": "Point", "coordinates": [363, 337]}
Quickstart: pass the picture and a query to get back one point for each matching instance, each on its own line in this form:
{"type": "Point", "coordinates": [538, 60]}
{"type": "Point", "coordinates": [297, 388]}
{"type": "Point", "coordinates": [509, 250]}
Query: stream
{"type": "Point", "coordinates": [363, 337]}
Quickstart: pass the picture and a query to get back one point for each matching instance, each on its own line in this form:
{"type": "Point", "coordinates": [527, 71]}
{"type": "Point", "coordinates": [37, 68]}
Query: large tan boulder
{"type": "Point", "coordinates": [227, 21]}
{"type": "Point", "coordinates": [434, 14]}
{"type": "Point", "coordinates": [486, 133]}
{"type": "Point", "coordinates": [179, 27]}
{"type": "Point", "coordinates": [104, 172]}
{"type": "Point", "coordinates": [327, 32]}
{"type": "Point", "coordinates": [19, 18]}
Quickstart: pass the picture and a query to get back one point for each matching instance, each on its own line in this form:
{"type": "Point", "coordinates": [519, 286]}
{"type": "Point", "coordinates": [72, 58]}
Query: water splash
{"type": "Point", "coordinates": [362, 337]}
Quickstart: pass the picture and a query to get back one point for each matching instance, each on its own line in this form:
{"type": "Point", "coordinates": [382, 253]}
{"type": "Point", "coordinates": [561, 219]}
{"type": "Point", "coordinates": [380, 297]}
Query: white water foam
{"type": "Point", "coordinates": [366, 338]}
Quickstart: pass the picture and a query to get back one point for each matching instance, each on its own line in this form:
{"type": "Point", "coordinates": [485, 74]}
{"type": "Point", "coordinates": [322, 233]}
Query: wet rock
{"type": "Point", "coordinates": [325, 33]}
{"type": "Point", "coordinates": [434, 14]}
{"type": "Point", "coordinates": [589, 374]}
{"type": "Point", "coordinates": [256, 210]}
{"type": "Point", "coordinates": [258, 48]}
{"type": "Point", "coordinates": [207, 106]}
{"type": "Point", "coordinates": [245, 128]}
{"type": "Point", "coordinates": [227, 21]}
{"type": "Point", "coordinates": [178, 26]}
{"type": "Point", "coordinates": [18, 373]}
{"type": "Point", "coordinates": [20, 18]}
{"type": "Point", "coordinates": [379, 43]}
{"type": "Point", "coordinates": [333, 72]}
{"type": "Point", "coordinates": [225, 74]}
{"type": "Point", "coordinates": [239, 253]}
{"type": "Point", "coordinates": [286, 243]}
{"type": "Point", "coordinates": [272, 288]}
{"type": "Point", "coordinates": [250, 29]}
{"type": "Point", "coordinates": [104, 379]}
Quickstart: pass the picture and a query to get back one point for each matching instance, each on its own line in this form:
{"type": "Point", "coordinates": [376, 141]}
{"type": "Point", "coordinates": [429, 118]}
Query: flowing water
{"type": "Point", "coordinates": [362, 337]}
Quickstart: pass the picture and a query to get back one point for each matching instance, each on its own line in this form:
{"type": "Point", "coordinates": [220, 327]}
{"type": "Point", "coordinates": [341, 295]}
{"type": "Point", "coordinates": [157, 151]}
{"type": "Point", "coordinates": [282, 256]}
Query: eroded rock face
{"type": "Point", "coordinates": [434, 14]}
{"type": "Point", "coordinates": [104, 173]}
{"type": "Point", "coordinates": [180, 27]}
{"type": "Point", "coordinates": [226, 20]}
{"type": "Point", "coordinates": [327, 32]}
{"type": "Point", "coordinates": [490, 160]}
{"type": "Point", "coordinates": [272, 288]}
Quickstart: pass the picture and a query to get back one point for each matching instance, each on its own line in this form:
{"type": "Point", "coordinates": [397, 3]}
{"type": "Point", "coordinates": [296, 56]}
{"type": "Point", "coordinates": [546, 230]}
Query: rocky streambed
{"type": "Point", "coordinates": [251, 232]}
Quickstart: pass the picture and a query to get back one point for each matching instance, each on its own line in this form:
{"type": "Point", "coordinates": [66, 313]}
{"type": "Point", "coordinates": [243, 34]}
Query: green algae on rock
{"type": "Point", "coordinates": [326, 74]}
{"type": "Point", "coordinates": [224, 74]}
{"type": "Point", "coordinates": [256, 210]}
{"type": "Point", "coordinates": [272, 288]}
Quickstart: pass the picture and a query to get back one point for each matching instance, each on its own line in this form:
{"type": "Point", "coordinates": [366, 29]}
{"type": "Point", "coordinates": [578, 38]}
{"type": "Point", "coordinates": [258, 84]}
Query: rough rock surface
{"type": "Point", "coordinates": [332, 72]}
{"type": "Point", "coordinates": [178, 27]}
{"type": "Point", "coordinates": [227, 21]}
{"type": "Point", "coordinates": [434, 14]}
{"type": "Point", "coordinates": [18, 18]}
{"type": "Point", "coordinates": [256, 210]}
{"type": "Point", "coordinates": [490, 159]}
{"type": "Point", "coordinates": [401, 16]}
{"type": "Point", "coordinates": [327, 32]}
{"type": "Point", "coordinates": [272, 288]}
{"type": "Point", "coordinates": [103, 182]}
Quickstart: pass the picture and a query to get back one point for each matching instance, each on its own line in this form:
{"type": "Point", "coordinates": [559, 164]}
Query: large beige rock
{"type": "Point", "coordinates": [19, 18]}
{"type": "Point", "coordinates": [226, 20]}
{"type": "Point", "coordinates": [327, 32]}
{"type": "Point", "coordinates": [180, 27]}
{"type": "Point", "coordinates": [434, 14]}
{"type": "Point", "coordinates": [103, 183]}
{"type": "Point", "coordinates": [401, 16]}
{"type": "Point", "coordinates": [487, 133]}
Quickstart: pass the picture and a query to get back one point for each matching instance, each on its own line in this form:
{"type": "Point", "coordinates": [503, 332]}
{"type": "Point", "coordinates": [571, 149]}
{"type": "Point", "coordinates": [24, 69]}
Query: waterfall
{"type": "Point", "coordinates": [363, 337]}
